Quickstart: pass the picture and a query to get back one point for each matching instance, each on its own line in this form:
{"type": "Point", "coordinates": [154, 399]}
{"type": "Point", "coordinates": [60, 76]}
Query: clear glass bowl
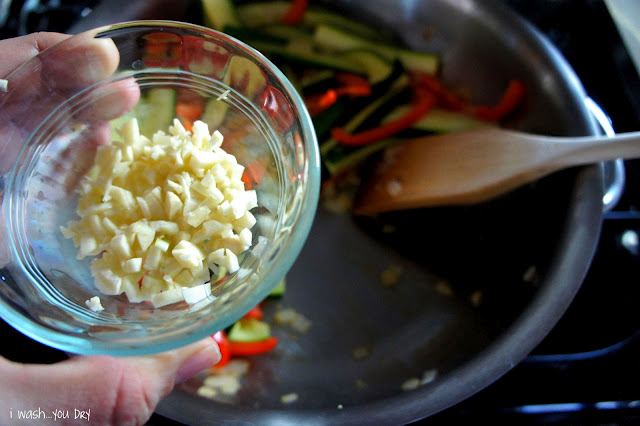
{"type": "Point", "coordinates": [60, 112]}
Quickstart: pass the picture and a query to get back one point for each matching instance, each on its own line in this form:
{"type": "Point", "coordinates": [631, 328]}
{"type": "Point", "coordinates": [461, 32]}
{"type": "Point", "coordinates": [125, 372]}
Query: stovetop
{"type": "Point", "coordinates": [586, 370]}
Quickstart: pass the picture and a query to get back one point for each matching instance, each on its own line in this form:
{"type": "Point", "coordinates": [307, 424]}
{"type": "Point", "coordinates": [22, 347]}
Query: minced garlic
{"type": "Point", "coordinates": [94, 304]}
{"type": "Point", "coordinates": [161, 213]}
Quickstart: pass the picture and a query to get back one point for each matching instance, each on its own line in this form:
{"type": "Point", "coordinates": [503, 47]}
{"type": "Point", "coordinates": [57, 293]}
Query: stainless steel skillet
{"type": "Point", "coordinates": [525, 254]}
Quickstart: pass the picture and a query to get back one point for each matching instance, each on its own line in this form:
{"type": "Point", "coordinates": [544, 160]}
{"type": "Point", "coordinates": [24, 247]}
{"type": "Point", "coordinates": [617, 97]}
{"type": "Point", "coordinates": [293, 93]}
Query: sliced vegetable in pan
{"type": "Point", "coordinates": [364, 91]}
{"type": "Point", "coordinates": [342, 68]}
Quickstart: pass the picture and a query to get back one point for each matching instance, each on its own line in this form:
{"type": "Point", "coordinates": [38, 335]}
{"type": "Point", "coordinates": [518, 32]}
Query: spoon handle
{"type": "Point", "coordinates": [592, 149]}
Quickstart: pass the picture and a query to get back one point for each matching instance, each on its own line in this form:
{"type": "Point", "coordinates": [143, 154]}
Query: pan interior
{"type": "Point", "coordinates": [485, 281]}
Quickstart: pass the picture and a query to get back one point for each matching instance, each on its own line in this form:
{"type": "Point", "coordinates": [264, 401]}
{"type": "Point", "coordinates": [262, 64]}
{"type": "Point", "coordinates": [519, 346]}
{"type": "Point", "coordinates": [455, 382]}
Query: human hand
{"type": "Point", "coordinates": [111, 390]}
{"type": "Point", "coordinates": [36, 87]}
{"type": "Point", "coordinates": [108, 390]}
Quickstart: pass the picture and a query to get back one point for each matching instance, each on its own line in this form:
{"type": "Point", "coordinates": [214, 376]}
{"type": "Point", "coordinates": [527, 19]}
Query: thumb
{"type": "Point", "coordinates": [19, 50]}
{"type": "Point", "coordinates": [108, 390]}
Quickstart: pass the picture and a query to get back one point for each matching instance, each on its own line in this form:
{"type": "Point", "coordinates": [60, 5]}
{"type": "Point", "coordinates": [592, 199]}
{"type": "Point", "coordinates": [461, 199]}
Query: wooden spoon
{"type": "Point", "coordinates": [474, 166]}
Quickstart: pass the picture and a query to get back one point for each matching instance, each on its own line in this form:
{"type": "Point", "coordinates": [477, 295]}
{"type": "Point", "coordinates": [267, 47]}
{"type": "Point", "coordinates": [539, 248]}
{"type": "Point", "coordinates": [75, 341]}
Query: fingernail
{"type": "Point", "coordinates": [200, 361]}
{"type": "Point", "coordinates": [99, 62]}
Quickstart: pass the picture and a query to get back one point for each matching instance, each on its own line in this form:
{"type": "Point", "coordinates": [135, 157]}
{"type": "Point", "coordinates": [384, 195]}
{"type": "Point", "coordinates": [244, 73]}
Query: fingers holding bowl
{"type": "Point", "coordinates": [112, 101]}
{"type": "Point", "coordinates": [56, 65]}
{"type": "Point", "coordinates": [71, 82]}
{"type": "Point", "coordinates": [81, 62]}
{"type": "Point", "coordinates": [18, 50]}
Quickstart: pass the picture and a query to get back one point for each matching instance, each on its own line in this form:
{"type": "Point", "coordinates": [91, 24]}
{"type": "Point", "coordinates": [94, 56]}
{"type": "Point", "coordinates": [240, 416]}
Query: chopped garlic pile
{"type": "Point", "coordinates": [162, 213]}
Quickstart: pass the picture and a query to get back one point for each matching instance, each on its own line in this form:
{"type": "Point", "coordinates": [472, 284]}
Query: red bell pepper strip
{"type": "Point", "coordinates": [445, 96]}
{"type": "Point", "coordinates": [204, 56]}
{"type": "Point", "coordinates": [162, 49]}
{"type": "Point", "coordinates": [423, 104]}
{"type": "Point", "coordinates": [320, 101]}
{"type": "Point", "coordinates": [253, 348]}
{"type": "Point", "coordinates": [246, 179]}
{"type": "Point", "coordinates": [189, 110]}
{"type": "Point", "coordinates": [255, 313]}
{"type": "Point", "coordinates": [352, 85]}
{"type": "Point", "coordinates": [510, 99]}
{"type": "Point", "coordinates": [295, 13]}
{"type": "Point", "coordinates": [188, 125]}
{"type": "Point", "coordinates": [223, 344]}
{"type": "Point", "coordinates": [187, 113]}
{"type": "Point", "coordinates": [354, 91]}
{"type": "Point", "coordinates": [189, 107]}
{"type": "Point", "coordinates": [253, 173]}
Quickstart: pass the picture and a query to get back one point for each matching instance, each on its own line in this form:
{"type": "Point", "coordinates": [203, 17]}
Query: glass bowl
{"type": "Point", "coordinates": [69, 100]}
